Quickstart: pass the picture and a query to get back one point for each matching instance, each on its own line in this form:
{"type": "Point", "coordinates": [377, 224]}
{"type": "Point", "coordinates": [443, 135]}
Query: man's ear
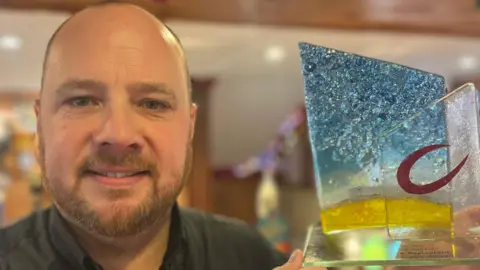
{"type": "Point", "coordinates": [36, 108]}
{"type": "Point", "coordinates": [193, 119]}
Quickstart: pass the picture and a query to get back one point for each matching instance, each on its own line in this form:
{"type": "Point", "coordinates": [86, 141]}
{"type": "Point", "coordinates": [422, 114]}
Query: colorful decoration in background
{"type": "Point", "coordinates": [25, 116]}
{"type": "Point", "coordinates": [271, 223]}
{"type": "Point", "coordinates": [18, 159]}
{"type": "Point", "coordinates": [285, 140]}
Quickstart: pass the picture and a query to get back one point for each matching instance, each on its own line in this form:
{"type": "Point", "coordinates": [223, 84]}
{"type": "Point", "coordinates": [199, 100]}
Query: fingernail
{"type": "Point", "coordinates": [292, 257]}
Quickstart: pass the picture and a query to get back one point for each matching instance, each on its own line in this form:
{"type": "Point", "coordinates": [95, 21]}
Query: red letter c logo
{"type": "Point", "coordinates": [403, 172]}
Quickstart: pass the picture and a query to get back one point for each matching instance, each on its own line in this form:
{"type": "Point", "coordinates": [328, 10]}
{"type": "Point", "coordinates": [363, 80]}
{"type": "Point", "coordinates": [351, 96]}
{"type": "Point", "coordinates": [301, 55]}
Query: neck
{"type": "Point", "coordinates": [142, 251]}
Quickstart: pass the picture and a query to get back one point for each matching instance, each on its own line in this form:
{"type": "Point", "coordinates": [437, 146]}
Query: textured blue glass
{"type": "Point", "coordinates": [351, 99]}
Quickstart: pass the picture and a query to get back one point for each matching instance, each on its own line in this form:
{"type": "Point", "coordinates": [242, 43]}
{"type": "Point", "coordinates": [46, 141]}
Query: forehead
{"type": "Point", "coordinates": [114, 54]}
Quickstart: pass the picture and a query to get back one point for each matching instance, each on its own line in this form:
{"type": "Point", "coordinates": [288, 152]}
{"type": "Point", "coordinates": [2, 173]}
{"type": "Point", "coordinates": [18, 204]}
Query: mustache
{"type": "Point", "coordinates": [108, 159]}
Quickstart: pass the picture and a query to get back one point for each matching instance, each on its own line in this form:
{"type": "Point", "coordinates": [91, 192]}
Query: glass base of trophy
{"type": "Point", "coordinates": [375, 247]}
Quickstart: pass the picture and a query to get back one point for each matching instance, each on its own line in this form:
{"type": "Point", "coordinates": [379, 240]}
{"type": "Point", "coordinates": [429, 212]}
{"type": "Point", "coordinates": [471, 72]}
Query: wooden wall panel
{"type": "Point", "coordinates": [460, 17]}
{"type": "Point", "coordinates": [234, 197]}
{"type": "Point", "coordinates": [468, 78]}
{"type": "Point", "coordinates": [199, 186]}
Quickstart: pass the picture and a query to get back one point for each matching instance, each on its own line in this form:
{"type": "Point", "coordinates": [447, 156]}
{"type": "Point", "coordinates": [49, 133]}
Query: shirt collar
{"type": "Point", "coordinates": [66, 245]}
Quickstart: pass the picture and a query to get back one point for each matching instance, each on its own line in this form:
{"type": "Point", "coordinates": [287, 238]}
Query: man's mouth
{"type": "Point", "coordinates": [118, 174]}
{"type": "Point", "coordinates": [117, 178]}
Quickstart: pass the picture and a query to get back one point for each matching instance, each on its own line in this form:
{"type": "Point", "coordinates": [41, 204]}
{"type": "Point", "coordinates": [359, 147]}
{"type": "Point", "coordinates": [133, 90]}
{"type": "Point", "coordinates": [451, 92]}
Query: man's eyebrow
{"type": "Point", "coordinates": [86, 84]}
{"type": "Point", "coordinates": [150, 88]}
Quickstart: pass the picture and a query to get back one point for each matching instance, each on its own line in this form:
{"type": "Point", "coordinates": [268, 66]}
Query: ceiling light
{"type": "Point", "coordinates": [467, 63]}
{"type": "Point", "coordinates": [275, 54]}
{"type": "Point", "coordinates": [10, 43]}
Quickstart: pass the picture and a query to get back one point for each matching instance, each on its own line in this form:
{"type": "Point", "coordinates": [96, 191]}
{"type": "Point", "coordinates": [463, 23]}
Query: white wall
{"type": "Point", "coordinates": [248, 110]}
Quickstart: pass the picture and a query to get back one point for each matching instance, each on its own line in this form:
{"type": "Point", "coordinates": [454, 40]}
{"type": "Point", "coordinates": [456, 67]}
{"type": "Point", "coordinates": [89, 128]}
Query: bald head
{"type": "Point", "coordinates": [113, 14]}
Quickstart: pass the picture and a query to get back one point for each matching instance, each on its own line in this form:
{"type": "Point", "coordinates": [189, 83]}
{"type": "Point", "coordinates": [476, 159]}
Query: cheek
{"type": "Point", "coordinates": [62, 143]}
{"type": "Point", "coordinates": [171, 146]}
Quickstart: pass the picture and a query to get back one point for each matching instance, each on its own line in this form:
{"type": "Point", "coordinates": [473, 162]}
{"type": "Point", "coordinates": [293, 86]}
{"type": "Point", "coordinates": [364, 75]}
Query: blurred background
{"type": "Point", "coordinates": [246, 72]}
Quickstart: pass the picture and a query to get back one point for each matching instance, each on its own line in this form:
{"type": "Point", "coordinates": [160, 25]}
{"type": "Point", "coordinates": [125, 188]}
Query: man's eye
{"type": "Point", "coordinates": [81, 102]}
{"type": "Point", "coordinates": [154, 105]}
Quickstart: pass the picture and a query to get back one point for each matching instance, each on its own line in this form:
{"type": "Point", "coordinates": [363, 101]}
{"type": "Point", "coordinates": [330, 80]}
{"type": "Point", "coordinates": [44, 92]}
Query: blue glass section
{"type": "Point", "coordinates": [351, 99]}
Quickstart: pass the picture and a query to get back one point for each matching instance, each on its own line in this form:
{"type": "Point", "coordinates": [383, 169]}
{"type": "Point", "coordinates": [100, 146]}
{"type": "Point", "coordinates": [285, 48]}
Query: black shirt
{"type": "Point", "coordinates": [197, 241]}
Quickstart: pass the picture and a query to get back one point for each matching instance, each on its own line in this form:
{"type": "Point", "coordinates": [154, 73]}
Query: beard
{"type": "Point", "coordinates": [153, 210]}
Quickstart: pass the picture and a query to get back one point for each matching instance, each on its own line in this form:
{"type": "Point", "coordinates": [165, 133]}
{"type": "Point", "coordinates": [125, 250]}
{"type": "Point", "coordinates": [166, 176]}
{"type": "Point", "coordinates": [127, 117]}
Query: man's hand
{"type": "Point", "coordinates": [295, 263]}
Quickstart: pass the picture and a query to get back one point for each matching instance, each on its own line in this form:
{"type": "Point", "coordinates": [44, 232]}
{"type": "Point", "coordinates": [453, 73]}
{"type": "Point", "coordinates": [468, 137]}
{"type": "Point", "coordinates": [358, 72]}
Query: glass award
{"type": "Point", "coordinates": [396, 162]}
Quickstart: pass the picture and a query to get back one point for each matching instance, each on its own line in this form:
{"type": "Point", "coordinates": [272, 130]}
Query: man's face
{"type": "Point", "coordinates": [115, 129]}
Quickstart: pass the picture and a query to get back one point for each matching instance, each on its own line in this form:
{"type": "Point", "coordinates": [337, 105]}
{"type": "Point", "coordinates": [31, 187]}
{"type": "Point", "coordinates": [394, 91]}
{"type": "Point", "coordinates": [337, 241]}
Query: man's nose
{"type": "Point", "coordinates": [119, 132]}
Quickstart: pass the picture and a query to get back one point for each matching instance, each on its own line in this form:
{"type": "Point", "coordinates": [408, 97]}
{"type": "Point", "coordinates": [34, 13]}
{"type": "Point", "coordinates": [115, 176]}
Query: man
{"type": "Point", "coordinates": [115, 125]}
